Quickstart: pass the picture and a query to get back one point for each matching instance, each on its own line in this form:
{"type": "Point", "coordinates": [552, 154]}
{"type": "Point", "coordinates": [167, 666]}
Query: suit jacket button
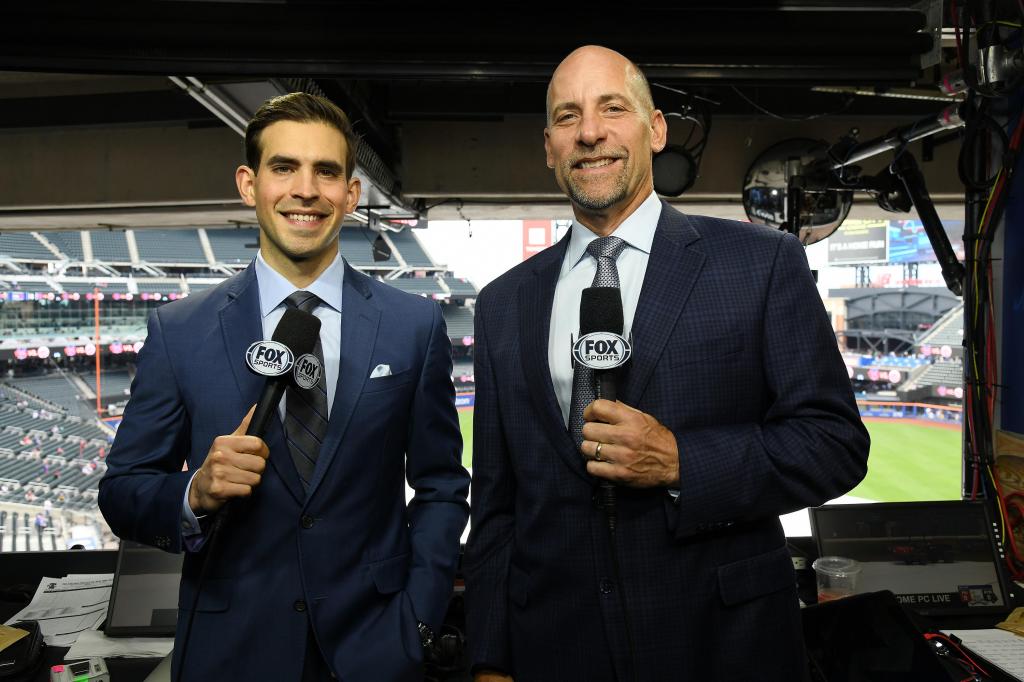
{"type": "Point", "coordinates": [299, 605]}
{"type": "Point", "coordinates": [307, 521]}
{"type": "Point", "coordinates": [607, 586]}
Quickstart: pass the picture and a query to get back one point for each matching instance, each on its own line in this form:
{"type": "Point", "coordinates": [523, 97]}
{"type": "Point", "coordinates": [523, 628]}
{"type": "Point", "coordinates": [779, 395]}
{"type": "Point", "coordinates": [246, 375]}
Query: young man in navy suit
{"type": "Point", "coordinates": [735, 407]}
{"type": "Point", "coordinates": [321, 569]}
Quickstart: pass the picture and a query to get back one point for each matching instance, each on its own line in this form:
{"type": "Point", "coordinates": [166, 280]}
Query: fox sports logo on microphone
{"type": "Point", "coordinates": [601, 350]}
{"type": "Point", "coordinates": [307, 371]}
{"type": "Point", "coordinates": [269, 358]}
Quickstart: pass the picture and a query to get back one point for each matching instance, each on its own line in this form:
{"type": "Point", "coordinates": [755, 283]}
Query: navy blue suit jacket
{"type": "Point", "coordinates": [349, 556]}
{"type": "Point", "coordinates": [733, 352]}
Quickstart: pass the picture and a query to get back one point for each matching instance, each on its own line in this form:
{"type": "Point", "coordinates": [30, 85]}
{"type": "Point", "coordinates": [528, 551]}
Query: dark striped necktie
{"type": "Point", "coordinates": [305, 414]}
{"type": "Point", "coordinates": [584, 388]}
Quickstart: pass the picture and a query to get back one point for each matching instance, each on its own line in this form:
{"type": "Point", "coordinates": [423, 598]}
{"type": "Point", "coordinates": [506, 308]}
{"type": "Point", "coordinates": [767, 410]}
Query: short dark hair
{"type": "Point", "coordinates": [301, 108]}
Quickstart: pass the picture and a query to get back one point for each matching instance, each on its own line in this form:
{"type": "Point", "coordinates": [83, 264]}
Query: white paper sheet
{"type": "Point", "coordinates": [65, 607]}
{"type": "Point", "coordinates": [999, 647]}
{"type": "Point", "coordinates": [91, 644]}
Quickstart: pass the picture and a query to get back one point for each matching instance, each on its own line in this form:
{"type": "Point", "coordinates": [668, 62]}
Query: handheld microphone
{"type": "Point", "coordinates": [601, 317]}
{"type": "Point", "coordinates": [295, 335]}
{"type": "Point", "coordinates": [601, 311]}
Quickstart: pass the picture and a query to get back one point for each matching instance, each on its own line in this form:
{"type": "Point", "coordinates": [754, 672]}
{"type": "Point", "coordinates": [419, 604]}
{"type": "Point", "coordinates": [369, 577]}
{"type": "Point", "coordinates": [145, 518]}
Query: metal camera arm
{"type": "Point", "coordinates": [911, 184]}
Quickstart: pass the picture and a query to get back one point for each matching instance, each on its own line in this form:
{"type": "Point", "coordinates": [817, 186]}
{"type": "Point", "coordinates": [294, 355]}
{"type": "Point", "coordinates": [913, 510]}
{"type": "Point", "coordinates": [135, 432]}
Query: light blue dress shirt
{"type": "Point", "coordinates": [578, 270]}
{"type": "Point", "coordinates": [274, 288]}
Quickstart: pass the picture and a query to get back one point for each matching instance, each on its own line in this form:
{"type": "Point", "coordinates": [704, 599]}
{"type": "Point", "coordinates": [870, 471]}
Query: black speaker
{"type": "Point", "coordinates": [675, 170]}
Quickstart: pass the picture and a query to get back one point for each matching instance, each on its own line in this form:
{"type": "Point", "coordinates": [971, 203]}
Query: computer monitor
{"type": "Point", "coordinates": [144, 597]}
{"type": "Point", "coordinates": [939, 558]}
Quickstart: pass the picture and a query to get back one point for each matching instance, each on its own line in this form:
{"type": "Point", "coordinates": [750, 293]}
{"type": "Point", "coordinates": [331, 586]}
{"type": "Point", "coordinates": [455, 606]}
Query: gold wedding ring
{"type": "Point", "coordinates": [597, 455]}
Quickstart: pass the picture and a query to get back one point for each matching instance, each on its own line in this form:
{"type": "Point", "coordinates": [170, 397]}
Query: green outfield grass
{"type": "Point", "coordinates": [466, 424]}
{"type": "Point", "coordinates": [908, 461]}
{"type": "Point", "coordinates": [911, 462]}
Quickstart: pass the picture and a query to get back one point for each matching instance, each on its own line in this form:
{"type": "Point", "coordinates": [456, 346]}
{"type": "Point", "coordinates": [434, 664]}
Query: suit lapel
{"type": "Point", "coordinates": [672, 270]}
{"type": "Point", "coordinates": [241, 324]}
{"type": "Point", "coordinates": [536, 296]}
{"type": "Point", "coordinates": [360, 319]}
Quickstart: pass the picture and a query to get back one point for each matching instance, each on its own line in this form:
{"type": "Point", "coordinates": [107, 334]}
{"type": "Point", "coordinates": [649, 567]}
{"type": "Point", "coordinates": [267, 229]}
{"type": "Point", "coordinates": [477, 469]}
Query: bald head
{"type": "Point", "coordinates": [584, 61]}
{"type": "Point", "coordinates": [601, 135]}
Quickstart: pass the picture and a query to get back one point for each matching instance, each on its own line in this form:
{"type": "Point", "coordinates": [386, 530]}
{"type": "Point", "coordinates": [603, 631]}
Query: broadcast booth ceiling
{"type": "Point", "coordinates": [130, 114]}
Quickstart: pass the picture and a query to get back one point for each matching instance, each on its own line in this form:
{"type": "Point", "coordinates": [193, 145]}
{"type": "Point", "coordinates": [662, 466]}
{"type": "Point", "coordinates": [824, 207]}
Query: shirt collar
{"type": "Point", "coordinates": [274, 287]}
{"type": "Point", "coordinates": [637, 230]}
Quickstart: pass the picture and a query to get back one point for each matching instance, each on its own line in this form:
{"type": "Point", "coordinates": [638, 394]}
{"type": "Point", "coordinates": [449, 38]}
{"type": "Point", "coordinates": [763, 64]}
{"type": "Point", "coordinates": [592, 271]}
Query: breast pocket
{"type": "Point", "coordinates": [378, 384]}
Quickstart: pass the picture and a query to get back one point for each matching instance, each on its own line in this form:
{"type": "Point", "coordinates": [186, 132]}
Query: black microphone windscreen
{"type": "Point", "coordinates": [601, 310]}
{"type": "Point", "coordinates": [298, 330]}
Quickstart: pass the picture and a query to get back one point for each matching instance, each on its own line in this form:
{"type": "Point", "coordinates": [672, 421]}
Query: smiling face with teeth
{"type": "Point", "coordinates": [301, 195]}
{"type": "Point", "coordinates": [602, 130]}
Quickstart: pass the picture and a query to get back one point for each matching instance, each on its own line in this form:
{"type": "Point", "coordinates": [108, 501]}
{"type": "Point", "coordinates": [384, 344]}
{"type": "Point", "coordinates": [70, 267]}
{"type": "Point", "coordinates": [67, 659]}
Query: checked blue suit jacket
{"type": "Point", "coordinates": [348, 557]}
{"type": "Point", "coordinates": [733, 352]}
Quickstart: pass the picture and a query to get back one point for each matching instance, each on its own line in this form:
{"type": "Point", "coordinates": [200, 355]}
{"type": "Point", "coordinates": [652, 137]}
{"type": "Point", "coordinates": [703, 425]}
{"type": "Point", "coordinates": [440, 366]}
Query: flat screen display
{"type": "Point", "coordinates": [936, 557]}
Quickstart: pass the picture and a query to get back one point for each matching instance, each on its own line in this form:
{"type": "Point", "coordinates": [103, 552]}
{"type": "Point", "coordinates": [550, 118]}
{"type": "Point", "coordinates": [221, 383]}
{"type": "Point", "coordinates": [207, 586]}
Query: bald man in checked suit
{"type": "Point", "coordinates": [734, 408]}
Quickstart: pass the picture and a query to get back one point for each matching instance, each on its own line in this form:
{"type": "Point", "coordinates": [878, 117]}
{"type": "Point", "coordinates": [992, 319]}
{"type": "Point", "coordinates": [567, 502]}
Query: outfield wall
{"type": "Point", "coordinates": [941, 414]}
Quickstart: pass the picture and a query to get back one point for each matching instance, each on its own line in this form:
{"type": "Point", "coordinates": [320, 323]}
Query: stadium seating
{"type": "Point", "coordinates": [47, 456]}
{"type": "Point", "coordinates": [950, 374]}
{"type": "Point", "coordinates": [460, 288]}
{"type": "Point", "coordinates": [356, 247]}
{"type": "Point", "coordinates": [88, 287]}
{"type": "Point", "coordinates": [233, 246]}
{"type": "Point", "coordinates": [158, 287]}
{"type": "Point", "coordinates": [417, 285]}
{"type": "Point", "coordinates": [411, 249]}
{"type": "Point", "coordinates": [23, 246]}
{"type": "Point", "coordinates": [170, 247]}
{"type": "Point", "coordinates": [110, 247]}
{"type": "Point", "coordinates": [948, 330]}
{"type": "Point", "coordinates": [114, 384]}
{"type": "Point", "coordinates": [459, 320]}
{"type": "Point", "coordinates": [54, 389]}
{"type": "Point", "coordinates": [69, 243]}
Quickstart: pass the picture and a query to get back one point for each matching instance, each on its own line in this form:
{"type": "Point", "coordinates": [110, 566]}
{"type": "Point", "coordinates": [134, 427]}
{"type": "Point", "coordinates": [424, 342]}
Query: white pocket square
{"type": "Point", "coordinates": [380, 371]}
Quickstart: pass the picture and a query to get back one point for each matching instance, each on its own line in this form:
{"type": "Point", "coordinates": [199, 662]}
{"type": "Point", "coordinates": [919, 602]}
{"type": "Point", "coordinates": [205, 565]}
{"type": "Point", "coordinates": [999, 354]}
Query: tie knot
{"type": "Point", "coordinates": [606, 247]}
{"type": "Point", "coordinates": [303, 300]}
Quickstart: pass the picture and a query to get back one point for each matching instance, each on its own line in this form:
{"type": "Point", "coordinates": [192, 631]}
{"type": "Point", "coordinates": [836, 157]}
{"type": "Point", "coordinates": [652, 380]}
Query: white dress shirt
{"type": "Point", "coordinates": [578, 270]}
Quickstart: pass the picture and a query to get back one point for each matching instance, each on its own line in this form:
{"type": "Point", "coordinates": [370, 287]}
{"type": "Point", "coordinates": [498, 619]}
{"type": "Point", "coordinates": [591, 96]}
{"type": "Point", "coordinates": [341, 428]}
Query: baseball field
{"type": "Point", "coordinates": [910, 460]}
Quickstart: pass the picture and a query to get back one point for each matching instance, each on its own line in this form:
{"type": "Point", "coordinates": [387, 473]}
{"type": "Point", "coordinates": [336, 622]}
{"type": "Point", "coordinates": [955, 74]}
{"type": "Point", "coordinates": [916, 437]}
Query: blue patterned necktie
{"type": "Point", "coordinates": [584, 387]}
{"type": "Point", "coordinates": [305, 413]}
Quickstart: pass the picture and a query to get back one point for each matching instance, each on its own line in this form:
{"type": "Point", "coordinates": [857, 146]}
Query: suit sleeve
{"type": "Point", "coordinates": [489, 550]}
{"type": "Point", "coordinates": [141, 493]}
{"type": "Point", "coordinates": [438, 510]}
{"type": "Point", "coordinates": [810, 446]}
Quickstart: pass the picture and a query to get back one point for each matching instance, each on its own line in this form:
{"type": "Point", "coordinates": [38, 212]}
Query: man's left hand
{"type": "Point", "coordinates": [636, 450]}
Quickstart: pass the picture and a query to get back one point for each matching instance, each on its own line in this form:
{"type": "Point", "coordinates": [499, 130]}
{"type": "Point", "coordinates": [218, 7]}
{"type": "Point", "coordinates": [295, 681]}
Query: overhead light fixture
{"type": "Point", "coordinates": [677, 166]}
{"type": "Point", "coordinates": [381, 249]}
{"type": "Point", "coordinates": [216, 105]}
{"type": "Point", "coordinates": [675, 170]}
